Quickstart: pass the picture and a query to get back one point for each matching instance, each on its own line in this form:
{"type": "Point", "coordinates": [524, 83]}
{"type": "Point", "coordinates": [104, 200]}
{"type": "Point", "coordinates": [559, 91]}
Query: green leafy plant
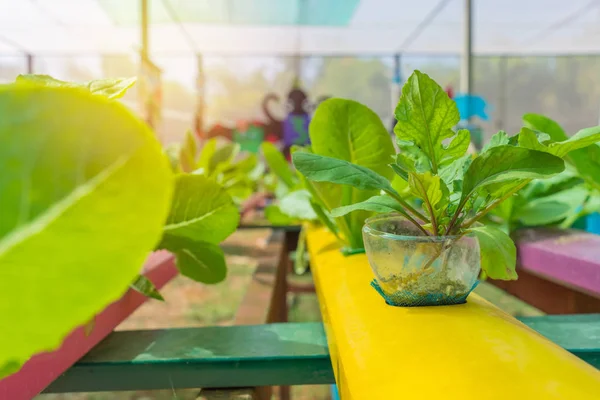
{"type": "Point", "coordinates": [456, 189]}
{"type": "Point", "coordinates": [346, 134]}
{"type": "Point", "coordinates": [293, 201]}
{"type": "Point", "coordinates": [85, 190]}
{"type": "Point", "coordinates": [561, 199]}
{"type": "Point", "coordinates": [221, 161]}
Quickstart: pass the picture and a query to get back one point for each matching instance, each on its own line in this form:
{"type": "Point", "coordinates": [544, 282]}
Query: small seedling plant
{"type": "Point", "coordinates": [456, 189]}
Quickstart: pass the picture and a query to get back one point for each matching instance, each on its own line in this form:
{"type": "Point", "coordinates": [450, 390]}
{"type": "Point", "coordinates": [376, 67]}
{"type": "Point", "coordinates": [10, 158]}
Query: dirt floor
{"type": "Point", "coordinates": [191, 304]}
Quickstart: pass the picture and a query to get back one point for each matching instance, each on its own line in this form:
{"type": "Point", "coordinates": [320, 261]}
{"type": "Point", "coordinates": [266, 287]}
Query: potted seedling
{"type": "Point", "coordinates": [432, 255]}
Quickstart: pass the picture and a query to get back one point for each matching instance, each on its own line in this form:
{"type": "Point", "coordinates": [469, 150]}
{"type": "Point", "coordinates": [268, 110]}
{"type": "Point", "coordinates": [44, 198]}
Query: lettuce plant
{"type": "Point", "coordinates": [456, 189]}
{"type": "Point", "coordinates": [86, 194]}
{"type": "Point", "coordinates": [221, 161]}
{"type": "Point", "coordinates": [293, 201]}
{"type": "Point", "coordinates": [564, 198]}
{"type": "Point", "coordinates": [348, 131]}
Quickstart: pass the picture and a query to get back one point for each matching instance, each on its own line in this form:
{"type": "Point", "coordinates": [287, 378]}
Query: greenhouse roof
{"type": "Point", "coordinates": [306, 27]}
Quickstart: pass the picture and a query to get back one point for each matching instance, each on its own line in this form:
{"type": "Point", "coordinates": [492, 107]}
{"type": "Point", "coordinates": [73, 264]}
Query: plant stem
{"type": "Point", "coordinates": [343, 227]}
{"type": "Point", "coordinates": [407, 216]}
{"type": "Point", "coordinates": [443, 247]}
{"type": "Point", "coordinates": [495, 204]}
{"type": "Point", "coordinates": [404, 204]}
{"type": "Point", "coordinates": [456, 214]}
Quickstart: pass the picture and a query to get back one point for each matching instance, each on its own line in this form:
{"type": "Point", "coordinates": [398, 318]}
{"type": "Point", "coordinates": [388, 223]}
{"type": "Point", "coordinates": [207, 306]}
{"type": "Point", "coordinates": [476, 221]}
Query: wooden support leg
{"type": "Point", "coordinates": [227, 394]}
{"type": "Point", "coordinates": [278, 311]}
{"type": "Point", "coordinates": [272, 282]}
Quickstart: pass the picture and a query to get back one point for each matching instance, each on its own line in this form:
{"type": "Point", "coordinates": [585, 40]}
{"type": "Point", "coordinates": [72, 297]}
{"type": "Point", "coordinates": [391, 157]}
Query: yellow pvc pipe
{"type": "Point", "coordinates": [470, 351]}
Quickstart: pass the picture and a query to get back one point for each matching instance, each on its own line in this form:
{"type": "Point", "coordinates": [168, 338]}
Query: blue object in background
{"type": "Point", "coordinates": [471, 106]}
{"type": "Point", "coordinates": [592, 223]}
{"type": "Point", "coordinates": [334, 393]}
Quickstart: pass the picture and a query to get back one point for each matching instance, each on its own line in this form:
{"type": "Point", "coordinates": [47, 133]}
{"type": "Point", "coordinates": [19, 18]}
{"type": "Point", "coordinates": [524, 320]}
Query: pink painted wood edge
{"type": "Point", "coordinates": [569, 257]}
{"type": "Point", "coordinates": [44, 368]}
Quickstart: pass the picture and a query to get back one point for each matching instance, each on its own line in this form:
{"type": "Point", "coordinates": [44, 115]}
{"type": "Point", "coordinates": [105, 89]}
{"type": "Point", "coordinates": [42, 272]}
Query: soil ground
{"type": "Point", "coordinates": [191, 304]}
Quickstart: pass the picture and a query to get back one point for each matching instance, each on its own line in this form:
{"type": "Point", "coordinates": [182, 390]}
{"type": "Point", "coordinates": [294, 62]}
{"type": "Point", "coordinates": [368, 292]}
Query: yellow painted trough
{"type": "Point", "coordinates": [470, 351]}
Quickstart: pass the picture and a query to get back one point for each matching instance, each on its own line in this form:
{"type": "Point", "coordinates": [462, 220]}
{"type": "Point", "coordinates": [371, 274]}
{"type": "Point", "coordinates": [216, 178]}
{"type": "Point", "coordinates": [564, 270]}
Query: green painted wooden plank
{"type": "Point", "coordinates": [259, 355]}
{"type": "Point", "coordinates": [579, 334]}
{"type": "Point", "coordinates": [217, 357]}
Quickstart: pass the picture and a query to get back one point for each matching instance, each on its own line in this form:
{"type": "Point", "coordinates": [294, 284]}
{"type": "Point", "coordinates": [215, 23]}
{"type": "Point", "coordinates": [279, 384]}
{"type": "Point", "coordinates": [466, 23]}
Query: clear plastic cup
{"type": "Point", "coordinates": [412, 269]}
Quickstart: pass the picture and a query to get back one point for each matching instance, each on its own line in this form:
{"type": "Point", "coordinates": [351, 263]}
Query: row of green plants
{"type": "Point", "coordinates": [87, 192]}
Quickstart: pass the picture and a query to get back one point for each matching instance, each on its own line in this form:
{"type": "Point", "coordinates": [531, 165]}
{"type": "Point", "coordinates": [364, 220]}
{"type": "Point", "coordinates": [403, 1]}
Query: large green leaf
{"type": "Point", "coordinates": [111, 88]}
{"type": "Point", "coordinates": [497, 251]}
{"type": "Point", "coordinates": [297, 205]}
{"type": "Point", "coordinates": [379, 204]}
{"type": "Point", "coordinates": [586, 160]}
{"type": "Point", "coordinates": [544, 124]}
{"type": "Point", "coordinates": [350, 131]}
{"type": "Point", "coordinates": [327, 169]}
{"type": "Point", "coordinates": [277, 164]}
{"type": "Point", "coordinates": [552, 208]}
{"type": "Point", "coordinates": [426, 116]}
{"type": "Point", "coordinates": [545, 187]}
{"type": "Point", "coordinates": [201, 261]}
{"type": "Point", "coordinates": [84, 193]}
{"type": "Point", "coordinates": [508, 163]}
{"type": "Point", "coordinates": [583, 138]}
{"type": "Point", "coordinates": [202, 210]}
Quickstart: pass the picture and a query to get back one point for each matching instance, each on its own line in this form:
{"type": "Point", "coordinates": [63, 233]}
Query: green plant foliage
{"type": "Point", "coordinates": [202, 211]}
{"type": "Point", "coordinates": [498, 252]}
{"type": "Point", "coordinates": [199, 260]}
{"type": "Point", "coordinates": [277, 217]}
{"type": "Point", "coordinates": [583, 138]}
{"type": "Point", "coordinates": [222, 162]}
{"type": "Point", "coordinates": [508, 163]}
{"type": "Point", "coordinates": [110, 88]}
{"type": "Point", "coordinates": [349, 131]}
{"type": "Point", "coordinates": [454, 189]}
{"type": "Point", "coordinates": [585, 160]}
{"type": "Point", "coordinates": [561, 199]}
{"type": "Point", "coordinates": [84, 192]}
{"type": "Point", "coordinates": [426, 116]}
{"type": "Point", "coordinates": [206, 154]}
{"type": "Point", "coordinates": [146, 287]}
{"type": "Point", "coordinates": [187, 153]}
{"type": "Point", "coordinates": [297, 205]}
{"type": "Point", "coordinates": [550, 209]}
{"type": "Point", "coordinates": [278, 165]}
{"type": "Point", "coordinates": [318, 168]}
{"type": "Point", "coordinates": [379, 204]}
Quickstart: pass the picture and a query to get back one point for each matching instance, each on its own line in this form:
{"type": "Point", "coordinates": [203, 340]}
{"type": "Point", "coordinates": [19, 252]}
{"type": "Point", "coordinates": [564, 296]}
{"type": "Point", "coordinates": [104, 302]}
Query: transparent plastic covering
{"type": "Point", "coordinates": [305, 27]}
